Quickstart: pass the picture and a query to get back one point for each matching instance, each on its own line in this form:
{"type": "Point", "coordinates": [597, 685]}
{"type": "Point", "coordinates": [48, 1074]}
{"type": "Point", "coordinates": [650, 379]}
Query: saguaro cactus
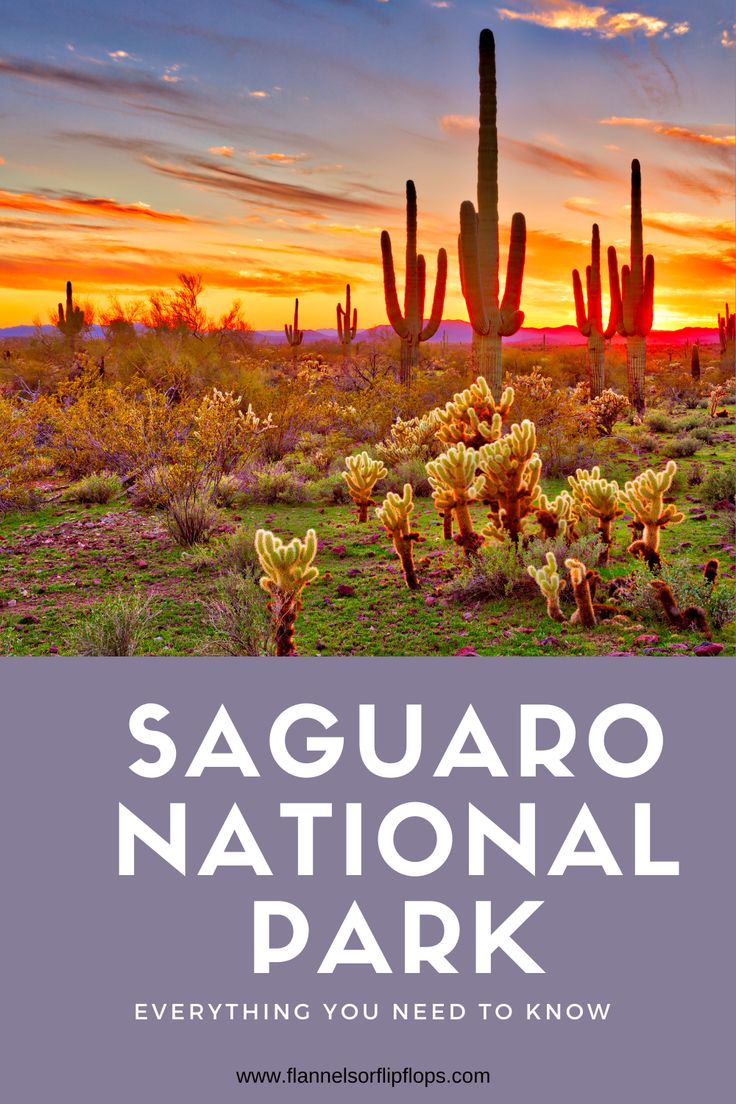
{"type": "Point", "coordinates": [695, 362]}
{"type": "Point", "coordinates": [289, 569]}
{"type": "Point", "coordinates": [410, 325]}
{"type": "Point", "coordinates": [727, 334]}
{"type": "Point", "coordinates": [634, 299]}
{"type": "Point", "coordinates": [294, 335]}
{"type": "Point", "coordinates": [590, 321]}
{"type": "Point", "coordinates": [394, 516]}
{"type": "Point", "coordinates": [361, 477]}
{"type": "Point", "coordinates": [478, 241]}
{"type": "Point", "coordinates": [346, 328]}
{"type": "Point", "coordinates": [549, 582]}
{"type": "Point", "coordinates": [70, 321]}
{"type": "Point", "coordinates": [644, 497]}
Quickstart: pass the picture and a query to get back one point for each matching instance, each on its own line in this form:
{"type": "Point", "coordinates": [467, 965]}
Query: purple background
{"type": "Point", "coordinates": [82, 945]}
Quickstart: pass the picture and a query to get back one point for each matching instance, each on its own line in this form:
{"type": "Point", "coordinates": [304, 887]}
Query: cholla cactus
{"type": "Point", "coordinates": [511, 470]}
{"type": "Point", "coordinates": [550, 584]}
{"type": "Point", "coordinates": [455, 485]}
{"type": "Point", "coordinates": [556, 516]}
{"type": "Point", "coordinates": [473, 417]}
{"type": "Point", "coordinates": [580, 580]}
{"type": "Point", "coordinates": [599, 498]}
{"type": "Point", "coordinates": [361, 477]}
{"type": "Point", "coordinates": [289, 568]}
{"type": "Point", "coordinates": [644, 498]}
{"type": "Point", "coordinates": [394, 515]}
{"type": "Point", "coordinates": [224, 435]}
{"type": "Point", "coordinates": [413, 439]}
{"type": "Point", "coordinates": [607, 408]}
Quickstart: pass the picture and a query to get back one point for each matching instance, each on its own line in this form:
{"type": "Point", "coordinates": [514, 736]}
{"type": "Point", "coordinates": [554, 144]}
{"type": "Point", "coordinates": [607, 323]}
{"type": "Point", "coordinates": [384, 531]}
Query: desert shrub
{"type": "Point", "coordinates": [564, 419]}
{"type": "Point", "coordinates": [235, 553]}
{"type": "Point", "coordinates": [16, 446]}
{"type": "Point", "coordinates": [274, 483]}
{"type": "Point", "coordinates": [696, 474]}
{"type": "Point", "coordinates": [228, 492]}
{"type": "Point", "coordinates": [150, 488]}
{"type": "Point", "coordinates": [190, 518]}
{"type": "Point", "coordinates": [720, 483]}
{"type": "Point", "coordinates": [496, 572]}
{"type": "Point", "coordinates": [608, 408]}
{"type": "Point", "coordinates": [409, 471]}
{"type": "Point", "coordinates": [692, 421]}
{"type": "Point", "coordinates": [702, 433]}
{"type": "Point", "coordinates": [682, 446]}
{"type": "Point", "coordinates": [239, 619]}
{"type": "Point", "coordinates": [330, 490]}
{"type": "Point", "coordinates": [587, 548]}
{"type": "Point", "coordinates": [647, 442]}
{"type": "Point", "coordinates": [689, 588]}
{"type": "Point", "coordinates": [99, 488]}
{"type": "Point", "coordinates": [660, 422]}
{"type": "Point", "coordinates": [113, 627]}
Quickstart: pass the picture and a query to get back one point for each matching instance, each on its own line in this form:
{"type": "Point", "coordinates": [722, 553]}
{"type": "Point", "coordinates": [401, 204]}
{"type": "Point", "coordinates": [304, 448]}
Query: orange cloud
{"type": "Point", "coordinates": [277, 158]}
{"type": "Point", "coordinates": [569, 15]}
{"type": "Point", "coordinates": [716, 184]}
{"type": "Point", "coordinates": [459, 124]}
{"type": "Point", "coordinates": [690, 226]}
{"type": "Point", "coordinates": [679, 133]}
{"type": "Point", "coordinates": [82, 206]}
{"type": "Point", "coordinates": [221, 151]}
{"type": "Point", "coordinates": [530, 153]}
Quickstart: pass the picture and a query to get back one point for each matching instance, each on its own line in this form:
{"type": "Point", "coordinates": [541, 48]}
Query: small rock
{"type": "Point", "coordinates": [621, 653]}
{"type": "Point", "coordinates": [550, 640]}
{"type": "Point", "coordinates": [430, 601]}
{"type": "Point", "coordinates": [29, 619]}
{"type": "Point", "coordinates": [345, 591]}
{"type": "Point", "coordinates": [708, 649]}
{"type": "Point", "coordinates": [647, 638]}
{"type": "Point", "coordinates": [53, 650]}
{"type": "Point", "coordinates": [466, 651]}
{"type": "Point", "coordinates": [141, 563]}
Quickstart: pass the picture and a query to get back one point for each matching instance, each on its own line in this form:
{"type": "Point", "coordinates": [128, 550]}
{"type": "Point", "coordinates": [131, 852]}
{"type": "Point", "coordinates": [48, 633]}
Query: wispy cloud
{"type": "Point", "coordinates": [552, 161]}
{"type": "Point", "coordinates": [76, 206]}
{"type": "Point", "coordinates": [108, 80]}
{"type": "Point", "coordinates": [728, 37]}
{"type": "Point", "coordinates": [671, 130]}
{"type": "Point", "coordinates": [713, 185]}
{"type": "Point", "coordinates": [221, 151]}
{"type": "Point", "coordinates": [277, 158]}
{"type": "Point", "coordinates": [691, 226]}
{"type": "Point", "coordinates": [569, 15]}
{"type": "Point", "coordinates": [459, 124]}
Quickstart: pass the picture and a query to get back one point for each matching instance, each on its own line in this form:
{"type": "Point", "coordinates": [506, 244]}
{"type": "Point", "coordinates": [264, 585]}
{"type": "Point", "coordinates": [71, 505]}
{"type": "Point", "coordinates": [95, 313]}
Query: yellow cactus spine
{"type": "Point", "coordinates": [394, 516]}
{"type": "Point", "coordinates": [410, 325]}
{"type": "Point", "coordinates": [289, 569]}
{"type": "Point", "coordinates": [644, 498]}
{"type": "Point", "coordinates": [455, 485]}
{"type": "Point", "coordinates": [550, 584]}
{"type": "Point", "coordinates": [473, 417]}
{"type": "Point", "coordinates": [478, 241]}
{"type": "Point", "coordinates": [590, 321]}
{"type": "Point", "coordinates": [599, 498]}
{"type": "Point", "coordinates": [361, 477]}
{"type": "Point", "coordinates": [580, 580]}
{"type": "Point", "coordinates": [511, 469]}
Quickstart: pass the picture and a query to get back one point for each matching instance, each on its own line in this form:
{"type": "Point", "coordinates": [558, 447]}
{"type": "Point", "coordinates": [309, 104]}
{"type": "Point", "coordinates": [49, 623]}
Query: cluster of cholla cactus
{"type": "Point", "coordinates": [289, 569]}
{"type": "Point", "coordinates": [556, 516]}
{"type": "Point", "coordinates": [590, 319]}
{"type": "Point", "coordinates": [633, 300]}
{"type": "Point", "coordinates": [410, 439]}
{"type": "Point", "coordinates": [71, 320]}
{"type": "Point", "coordinates": [410, 325]}
{"type": "Point", "coordinates": [394, 515]}
{"type": "Point", "coordinates": [294, 335]}
{"type": "Point", "coordinates": [361, 477]}
{"type": "Point", "coordinates": [347, 328]}
{"type": "Point", "coordinates": [548, 580]}
{"type": "Point", "coordinates": [644, 497]}
{"type": "Point", "coordinates": [455, 484]}
{"type": "Point", "coordinates": [727, 335]}
{"type": "Point", "coordinates": [510, 470]}
{"type": "Point", "coordinates": [598, 498]}
{"type": "Point", "coordinates": [473, 417]}
{"type": "Point", "coordinates": [478, 242]}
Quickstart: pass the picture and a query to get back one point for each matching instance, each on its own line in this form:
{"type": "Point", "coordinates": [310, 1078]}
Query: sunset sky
{"type": "Point", "coordinates": [265, 144]}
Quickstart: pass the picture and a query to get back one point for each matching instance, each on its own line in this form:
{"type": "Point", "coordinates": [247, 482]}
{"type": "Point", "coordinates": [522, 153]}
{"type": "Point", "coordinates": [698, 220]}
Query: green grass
{"type": "Point", "coordinates": [59, 561]}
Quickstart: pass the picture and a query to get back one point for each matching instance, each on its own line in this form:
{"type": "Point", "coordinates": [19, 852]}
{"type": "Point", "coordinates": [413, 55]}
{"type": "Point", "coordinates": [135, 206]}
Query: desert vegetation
{"type": "Point", "coordinates": [176, 487]}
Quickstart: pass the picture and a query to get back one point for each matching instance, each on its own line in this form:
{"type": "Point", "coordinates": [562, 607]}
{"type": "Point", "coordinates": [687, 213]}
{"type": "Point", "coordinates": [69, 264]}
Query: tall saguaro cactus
{"type": "Point", "coordinates": [70, 321]}
{"type": "Point", "coordinates": [478, 241]}
{"type": "Point", "coordinates": [410, 325]}
{"type": "Point", "coordinates": [294, 335]}
{"type": "Point", "coordinates": [635, 298]}
{"type": "Point", "coordinates": [590, 321]}
{"type": "Point", "coordinates": [347, 328]}
{"type": "Point", "coordinates": [726, 334]}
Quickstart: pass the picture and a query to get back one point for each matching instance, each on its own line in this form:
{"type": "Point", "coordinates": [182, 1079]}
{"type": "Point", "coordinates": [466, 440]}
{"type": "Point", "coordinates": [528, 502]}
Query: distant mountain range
{"type": "Point", "coordinates": [456, 331]}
